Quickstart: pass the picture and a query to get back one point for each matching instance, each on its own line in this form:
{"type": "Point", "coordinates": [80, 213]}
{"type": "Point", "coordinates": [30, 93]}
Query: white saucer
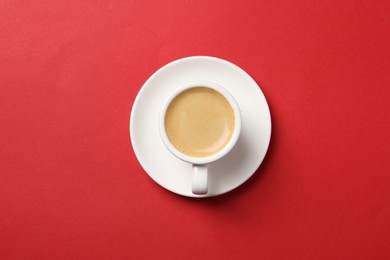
{"type": "Point", "coordinates": [227, 173]}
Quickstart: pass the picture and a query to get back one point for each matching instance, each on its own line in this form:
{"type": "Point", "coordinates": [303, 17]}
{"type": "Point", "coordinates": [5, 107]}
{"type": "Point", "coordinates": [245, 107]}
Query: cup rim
{"type": "Point", "coordinates": [233, 139]}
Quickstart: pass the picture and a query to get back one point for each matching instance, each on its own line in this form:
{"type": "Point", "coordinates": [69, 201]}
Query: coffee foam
{"type": "Point", "coordinates": [199, 122]}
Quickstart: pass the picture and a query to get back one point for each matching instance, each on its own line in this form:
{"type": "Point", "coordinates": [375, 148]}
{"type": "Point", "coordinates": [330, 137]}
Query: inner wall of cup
{"type": "Point", "coordinates": [232, 139]}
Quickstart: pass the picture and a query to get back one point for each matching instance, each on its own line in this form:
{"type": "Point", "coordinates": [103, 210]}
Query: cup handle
{"type": "Point", "coordinates": [199, 179]}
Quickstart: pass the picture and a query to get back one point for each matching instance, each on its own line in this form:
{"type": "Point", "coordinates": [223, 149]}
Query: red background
{"type": "Point", "coordinates": [71, 187]}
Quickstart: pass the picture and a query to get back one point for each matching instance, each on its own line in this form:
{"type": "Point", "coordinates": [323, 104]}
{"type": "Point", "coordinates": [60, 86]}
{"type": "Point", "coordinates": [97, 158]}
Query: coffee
{"type": "Point", "coordinates": [199, 122]}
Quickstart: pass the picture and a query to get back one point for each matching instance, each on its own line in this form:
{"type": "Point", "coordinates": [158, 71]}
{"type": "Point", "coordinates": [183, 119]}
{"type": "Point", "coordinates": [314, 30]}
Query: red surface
{"type": "Point", "coordinates": [71, 187]}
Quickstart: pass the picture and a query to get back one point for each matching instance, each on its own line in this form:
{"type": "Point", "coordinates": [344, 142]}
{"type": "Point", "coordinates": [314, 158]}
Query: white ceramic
{"type": "Point", "coordinates": [230, 171]}
{"type": "Point", "coordinates": [200, 164]}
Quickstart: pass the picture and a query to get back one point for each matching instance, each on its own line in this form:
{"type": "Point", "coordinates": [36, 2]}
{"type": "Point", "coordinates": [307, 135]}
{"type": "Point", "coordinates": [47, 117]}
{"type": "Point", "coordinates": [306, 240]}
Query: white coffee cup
{"type": "Point", "coordinates": [200, 164]}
